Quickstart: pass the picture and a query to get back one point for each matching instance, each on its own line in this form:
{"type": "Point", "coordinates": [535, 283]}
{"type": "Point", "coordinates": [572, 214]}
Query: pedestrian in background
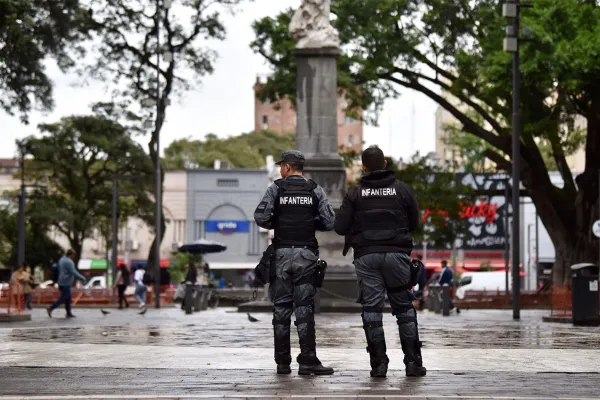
{"type": "Point", "coordinates": [122, 280]}
{"type": "Point", "coordinates": [447, 277]}
{"type": "Point", "coordinates": [22, 278]}
{"type": "Point", "coordinates": [66, 276]}
{"type": "Point", "coordinates": [140, 288]}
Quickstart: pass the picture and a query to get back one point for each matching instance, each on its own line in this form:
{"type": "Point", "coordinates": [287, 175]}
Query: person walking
{"type": "Point", "coordinates": [190, 277]}
{"type": "Point", "coordinates": [377, 217]}
{"type": "Point", "coordinates": [295, 207]}
{"type": "Point", "coordinates": [66, 276]}
{"type": "Point", "coordinates": [122, 281]}
{"type": "Point", "coordinates": [447, 278]}
{"type": "Point", "coordinates": [22, 278]}
{"type": "Point", "coordinates": [140, 287]}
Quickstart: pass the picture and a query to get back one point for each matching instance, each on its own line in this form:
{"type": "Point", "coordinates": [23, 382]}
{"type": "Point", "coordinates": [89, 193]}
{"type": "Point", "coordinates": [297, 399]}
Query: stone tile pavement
{"type": "Point", "coordinates": [221, 354]}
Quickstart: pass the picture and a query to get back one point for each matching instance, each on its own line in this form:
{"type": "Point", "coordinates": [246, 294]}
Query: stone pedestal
{"type": "Point", "coordinates": [316, 137]}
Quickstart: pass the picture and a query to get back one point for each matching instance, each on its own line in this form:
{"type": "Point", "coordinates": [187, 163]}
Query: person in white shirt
{"type": "Point", "coordinates": [140, 288]}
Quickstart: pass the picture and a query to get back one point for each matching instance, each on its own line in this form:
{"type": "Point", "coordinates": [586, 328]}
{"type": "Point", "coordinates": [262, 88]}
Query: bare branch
{"type": "Point", "coordinates": [465, 99]}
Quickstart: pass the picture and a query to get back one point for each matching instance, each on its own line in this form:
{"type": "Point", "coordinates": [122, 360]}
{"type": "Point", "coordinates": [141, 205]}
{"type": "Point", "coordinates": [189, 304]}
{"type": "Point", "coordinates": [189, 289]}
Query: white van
{"type": "Point", "coordinates": [488, 281]}
{"type": "Point", "coordinates": [97, 282]}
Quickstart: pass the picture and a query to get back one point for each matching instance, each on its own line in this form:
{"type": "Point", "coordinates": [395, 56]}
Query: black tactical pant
{"type": "Point", "coordinates": [294, 285]}
{"type": "Point", "coordinates": [378, 273]}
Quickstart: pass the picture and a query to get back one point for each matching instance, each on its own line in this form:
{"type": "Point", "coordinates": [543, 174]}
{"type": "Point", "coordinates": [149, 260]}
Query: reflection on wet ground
{"type": "Point", "coordinates": [222, 328]}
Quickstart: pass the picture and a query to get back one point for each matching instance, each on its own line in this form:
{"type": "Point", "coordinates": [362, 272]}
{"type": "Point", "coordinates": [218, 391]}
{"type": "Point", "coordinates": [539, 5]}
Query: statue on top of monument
{"type": "Point", "coordinates": [310, 26]}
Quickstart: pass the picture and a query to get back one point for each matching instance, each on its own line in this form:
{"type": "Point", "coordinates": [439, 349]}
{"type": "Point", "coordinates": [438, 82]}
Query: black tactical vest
{"type": "Point", "coordinates": [381, 218]}
{"type": "Point", "coordinates": [296, 207]}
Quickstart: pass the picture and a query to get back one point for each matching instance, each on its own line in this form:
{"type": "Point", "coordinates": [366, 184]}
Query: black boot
{"type": "Point", "coordinates": [376, 348]}
{"type": "Point", "coordinates": [409, 339]}
{"type": "Point", "coordinates": [309, 363]}
{"type": "Point", "coordinates": [283, 356]}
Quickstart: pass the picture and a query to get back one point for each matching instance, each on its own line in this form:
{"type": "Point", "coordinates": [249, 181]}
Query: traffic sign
{"type": "Point", "coordinates": [596, 228]}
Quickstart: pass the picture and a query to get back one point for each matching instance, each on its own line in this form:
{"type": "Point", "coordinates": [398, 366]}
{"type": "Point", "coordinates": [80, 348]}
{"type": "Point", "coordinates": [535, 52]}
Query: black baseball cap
{"type": "Point", "coordinates": [291, 156]}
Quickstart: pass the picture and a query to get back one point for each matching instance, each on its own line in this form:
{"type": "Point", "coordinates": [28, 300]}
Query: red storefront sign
{"type": "Point", "coordinates": [485, 210]}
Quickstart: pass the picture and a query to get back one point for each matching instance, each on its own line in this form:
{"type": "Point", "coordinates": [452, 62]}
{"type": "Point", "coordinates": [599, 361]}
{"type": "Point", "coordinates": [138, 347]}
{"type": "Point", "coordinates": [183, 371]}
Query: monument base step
{"type": "Point", "coordinates": [327, 306]}
{"type": "Point", "coordinates": [15, 317]}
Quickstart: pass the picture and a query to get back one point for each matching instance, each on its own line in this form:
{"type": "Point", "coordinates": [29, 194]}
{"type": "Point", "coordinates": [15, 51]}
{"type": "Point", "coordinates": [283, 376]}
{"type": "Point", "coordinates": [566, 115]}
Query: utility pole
{"type": "Point", "coordinates": [158, 171]}
{"type": "Point", "coordinates": [115, 226]}
{"type": "Point", "coordinates": [21, 225]}
{"type": "Point", "coordinates": [512, 9]}
{"type": "Point", "coordinates": [506, 236]}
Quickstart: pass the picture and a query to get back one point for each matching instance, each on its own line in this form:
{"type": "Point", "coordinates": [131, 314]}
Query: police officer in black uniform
{"type": "Point", "coordinates": [377, 217]}
{"type": "Point", "coordinates": [295, 207]}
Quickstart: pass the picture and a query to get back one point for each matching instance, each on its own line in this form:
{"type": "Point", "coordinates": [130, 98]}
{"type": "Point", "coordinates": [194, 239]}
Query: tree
{"type": "Point", "coordinates": [77, 158]}
{"type": "Point", "coordinates": [455, 46]}
{"type": "Point", "coordinates": [31, 31]}
{"type": "Point", "coordinates": [248, 150]}
{"type": "Point", "coordinates": [40, 249]}
{"type": "Point", "coordinates": [127, 48]}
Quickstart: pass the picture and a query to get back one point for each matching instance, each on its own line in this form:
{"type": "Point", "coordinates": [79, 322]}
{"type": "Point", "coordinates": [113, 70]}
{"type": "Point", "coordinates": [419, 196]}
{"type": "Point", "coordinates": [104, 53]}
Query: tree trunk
{"type": "Point", "coordinates": [152, 252]}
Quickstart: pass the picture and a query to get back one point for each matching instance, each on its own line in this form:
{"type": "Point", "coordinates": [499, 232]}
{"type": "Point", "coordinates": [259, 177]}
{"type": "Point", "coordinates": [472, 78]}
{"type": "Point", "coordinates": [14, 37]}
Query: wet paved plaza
{"type": "Point", "coordinates": [221, 354]}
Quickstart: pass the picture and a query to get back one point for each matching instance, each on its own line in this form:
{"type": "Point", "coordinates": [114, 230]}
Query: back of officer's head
{"type": "Point", "coordinates": [291, 168]}
{"type": "Point", "coordinates": [373, 159]}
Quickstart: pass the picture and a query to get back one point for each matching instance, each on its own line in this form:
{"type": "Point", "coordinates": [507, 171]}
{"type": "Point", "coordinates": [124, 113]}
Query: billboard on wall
{"type": "Point", "coordinates": [486, 216]}
{"type": "Point", "coordinates": [227, 226]}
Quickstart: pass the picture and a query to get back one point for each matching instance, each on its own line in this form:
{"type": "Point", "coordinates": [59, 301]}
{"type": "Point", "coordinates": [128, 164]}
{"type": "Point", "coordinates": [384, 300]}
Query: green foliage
{"type": "Point", "coordinates": [248, 150]}
{"type": "Point", "coordinates": [40, 250]}
{"type": "Point", "coordinates": [440, 197]}
{"type": "Point", "coordinates": [178, 265]}
{"type": "Point", "coordinates": [455, 47]}
{"type": "Point", "coordinates": [349, 156]}
{"type": "Point", "coordinates": [76, 160]}
{"type": "Point", "coordinates": [30, 32]}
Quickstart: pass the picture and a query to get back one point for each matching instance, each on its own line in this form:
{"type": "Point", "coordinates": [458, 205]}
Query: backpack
{"type": "Point", "coordinates": [147, 279]}
{"type": "Point", "coordinates": [126, 277]}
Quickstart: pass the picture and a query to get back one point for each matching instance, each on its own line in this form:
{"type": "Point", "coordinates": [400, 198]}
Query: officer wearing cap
{"type": "Point", "coordinates": [295, 207]}
{"type": "Point", "coordinates": [377, 217]}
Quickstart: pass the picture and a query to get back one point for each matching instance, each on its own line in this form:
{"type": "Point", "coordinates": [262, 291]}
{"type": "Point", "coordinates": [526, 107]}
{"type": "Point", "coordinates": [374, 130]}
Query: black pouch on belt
{"type": "Point", "coordinates": [416, 266]}
{"type": "Point", "coordinates": [263, 269]}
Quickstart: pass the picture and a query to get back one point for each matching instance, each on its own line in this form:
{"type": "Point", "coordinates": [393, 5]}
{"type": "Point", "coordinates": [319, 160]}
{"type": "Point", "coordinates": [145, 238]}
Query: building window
{"type": "Point", "coordinates": [350, 140]}
{"type": "Point", "coordinates": [349, 120]}
{"type": "Point", "coordinates": [265, 122]}
{"type": "Point", "coordinates": [228, 183]}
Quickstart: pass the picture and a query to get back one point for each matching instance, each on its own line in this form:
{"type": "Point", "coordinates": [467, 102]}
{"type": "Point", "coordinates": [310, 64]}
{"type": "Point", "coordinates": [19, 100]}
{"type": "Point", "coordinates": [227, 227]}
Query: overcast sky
{"type": "Point", "coordinates": [224, 103]}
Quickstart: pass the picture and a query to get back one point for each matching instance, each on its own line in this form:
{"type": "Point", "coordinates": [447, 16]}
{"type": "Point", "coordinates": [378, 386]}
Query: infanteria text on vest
{"type": "Point", "coordinates": [379, 192]}
{"type": "Point", "coordinates": [296, 201]}
{"type": "Point", "coordinates": [295, 212]}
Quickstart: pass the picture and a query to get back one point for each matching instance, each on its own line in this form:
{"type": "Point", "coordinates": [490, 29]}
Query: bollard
{"type": "Point", "coordinates": [430, 299]}
{"type": "Point", "coordinates": [189, 297]}
{"type": "Point", "coordinates": [206, 295]}
{"type": "Point", "coordinates": [317, 301]}
{"type": "Point", "coordinates": [437, 300]}
{"type": "Point", "coordinates": [198, 298]}
{"type": "Point", "coordinates": [446, 300]}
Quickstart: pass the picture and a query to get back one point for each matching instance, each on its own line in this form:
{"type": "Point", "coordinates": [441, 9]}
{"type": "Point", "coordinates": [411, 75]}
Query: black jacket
{"type": "Point", "coordinates": [346, 218]}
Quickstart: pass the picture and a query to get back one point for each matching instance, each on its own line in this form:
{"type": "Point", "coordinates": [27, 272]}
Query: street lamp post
{"type": "Point", "coordinates": [512, 9]}
{"type": "Point", "coordinates": [115, 219]}
{"type": "Point", "coordinates": [115, 226]}
{"type": "Point", "coordinates": [21, 243]}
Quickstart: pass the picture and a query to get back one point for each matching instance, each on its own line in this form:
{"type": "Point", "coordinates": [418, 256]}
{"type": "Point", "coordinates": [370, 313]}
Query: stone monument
{"type": "Point", "coordinates": [317, 50]}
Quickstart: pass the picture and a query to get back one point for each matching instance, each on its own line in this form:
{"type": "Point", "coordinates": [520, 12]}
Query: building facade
{"type": "Point", "coordinates": [280, 116]}
{"type": "Point", "coordinates": [220, 207]}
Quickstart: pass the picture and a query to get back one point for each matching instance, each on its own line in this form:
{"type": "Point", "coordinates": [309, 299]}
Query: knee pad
{"type": "Point", "coordinates": [405, 315]}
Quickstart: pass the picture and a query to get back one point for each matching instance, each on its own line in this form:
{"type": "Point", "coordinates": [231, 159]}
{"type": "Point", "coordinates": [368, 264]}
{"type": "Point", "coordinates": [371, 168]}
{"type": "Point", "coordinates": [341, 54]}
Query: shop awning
{"type": "Point", "coordinates": [87, 264]}
{"type": "Point", "coordinates": [221, 265]}
{"type": "Point", "coordinates": [164, 263]}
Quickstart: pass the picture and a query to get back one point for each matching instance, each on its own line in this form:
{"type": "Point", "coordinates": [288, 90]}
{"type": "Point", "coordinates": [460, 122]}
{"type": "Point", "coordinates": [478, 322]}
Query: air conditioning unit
{"type": "Point", "coordinates": [135, 245]}
{"type": "Point", "coordinates": [96, 248]}
{"type": "Point", "coordinates": [175, 246]}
